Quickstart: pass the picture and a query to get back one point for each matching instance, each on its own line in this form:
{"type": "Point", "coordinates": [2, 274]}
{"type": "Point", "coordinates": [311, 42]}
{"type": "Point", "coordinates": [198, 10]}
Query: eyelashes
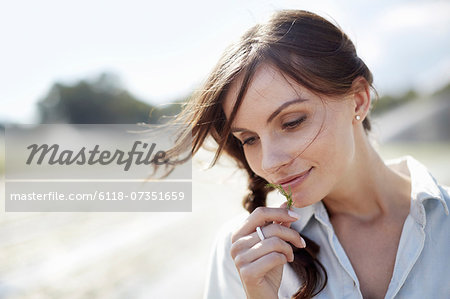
{"type": "Point", "coordinates": [293, 124]}
{"type": "Point", "coordinates": [248, 141]}
{"type": "Point", "coordinates": [286, 126]}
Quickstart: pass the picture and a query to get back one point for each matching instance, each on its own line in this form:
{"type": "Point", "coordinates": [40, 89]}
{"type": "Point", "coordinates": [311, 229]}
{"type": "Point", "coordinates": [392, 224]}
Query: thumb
{"type": "Point", "coordinates": [284, 206]}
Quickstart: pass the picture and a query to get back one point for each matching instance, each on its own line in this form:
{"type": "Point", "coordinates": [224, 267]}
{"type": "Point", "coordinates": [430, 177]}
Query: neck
{"type": "Point", "coordinates": [369, 190]}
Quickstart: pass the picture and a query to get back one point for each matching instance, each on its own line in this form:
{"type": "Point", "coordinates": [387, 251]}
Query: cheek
{"type": "Point", "coordinates": [253, 160]}
{"type": "Point", "coordinates": [334, 149]}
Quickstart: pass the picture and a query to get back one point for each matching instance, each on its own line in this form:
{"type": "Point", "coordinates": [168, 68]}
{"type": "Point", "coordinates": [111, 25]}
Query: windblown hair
{"type": "Point", "coordinates": [305, 47]}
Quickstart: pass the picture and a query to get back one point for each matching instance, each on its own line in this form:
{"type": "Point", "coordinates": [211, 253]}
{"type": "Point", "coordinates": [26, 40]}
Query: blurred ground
{"type": "Point", "coordinates": [117, 255]}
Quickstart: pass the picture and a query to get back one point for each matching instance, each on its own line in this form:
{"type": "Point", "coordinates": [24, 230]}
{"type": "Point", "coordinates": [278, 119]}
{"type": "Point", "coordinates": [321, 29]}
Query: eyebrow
{"type": "Point", "coordinates": [274, 114]}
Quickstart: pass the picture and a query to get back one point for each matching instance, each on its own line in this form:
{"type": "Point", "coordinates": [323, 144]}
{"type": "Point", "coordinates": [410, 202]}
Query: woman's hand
{"type": "Point", "coordinates": [260, 263]}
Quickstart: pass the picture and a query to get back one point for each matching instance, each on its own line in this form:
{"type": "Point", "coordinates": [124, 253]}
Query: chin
{"type": "Point", "coordinates": [302, 201]}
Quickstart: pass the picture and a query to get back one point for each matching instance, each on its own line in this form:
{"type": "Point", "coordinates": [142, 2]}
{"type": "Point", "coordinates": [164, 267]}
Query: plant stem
{"type": "Point", "coordinates": [282, 191]}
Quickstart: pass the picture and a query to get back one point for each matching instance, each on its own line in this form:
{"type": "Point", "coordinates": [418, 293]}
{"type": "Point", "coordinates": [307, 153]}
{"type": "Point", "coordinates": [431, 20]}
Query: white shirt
{"type": "Point", "coordinates": [422, 268]}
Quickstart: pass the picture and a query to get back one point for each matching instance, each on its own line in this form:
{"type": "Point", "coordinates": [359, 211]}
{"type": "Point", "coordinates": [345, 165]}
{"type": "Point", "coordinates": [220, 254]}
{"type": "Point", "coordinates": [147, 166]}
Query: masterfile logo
{"type": "Point", "coordinates": [54, 155]}
{"type": "Point", "coordinates": [94, 168]}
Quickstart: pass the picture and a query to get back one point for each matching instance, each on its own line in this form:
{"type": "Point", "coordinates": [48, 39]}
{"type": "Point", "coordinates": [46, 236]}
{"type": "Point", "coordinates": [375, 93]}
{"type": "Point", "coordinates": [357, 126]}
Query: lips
{"type": "Point", "coordinates": [293, 179]}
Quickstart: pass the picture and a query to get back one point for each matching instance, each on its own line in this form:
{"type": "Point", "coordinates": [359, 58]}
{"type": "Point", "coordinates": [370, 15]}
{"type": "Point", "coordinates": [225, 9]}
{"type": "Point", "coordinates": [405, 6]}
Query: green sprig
{"type": "Point", "coordinates": [283, 192]}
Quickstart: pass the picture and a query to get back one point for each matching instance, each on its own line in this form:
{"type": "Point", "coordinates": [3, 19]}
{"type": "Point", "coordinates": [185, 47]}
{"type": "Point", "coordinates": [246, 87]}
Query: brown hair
{"type": "Point", "coordinates": [307, 48]}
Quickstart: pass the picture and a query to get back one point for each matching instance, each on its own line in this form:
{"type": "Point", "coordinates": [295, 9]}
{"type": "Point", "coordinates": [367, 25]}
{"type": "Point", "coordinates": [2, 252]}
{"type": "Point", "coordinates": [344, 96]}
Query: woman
{"type": "Point", "coordinates": [290, 103]}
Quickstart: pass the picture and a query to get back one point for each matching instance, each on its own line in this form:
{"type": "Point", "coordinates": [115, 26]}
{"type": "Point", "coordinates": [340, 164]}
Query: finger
{"type": "Point", "coordinates": [271, 230]}
{"type": "Point", "coordinates": [284, 206]}
{"type": "Point", "coordinates": [261, 216]}
{"type": "Point", "coordinates": [243, 244]}
{"type": "Point", "coordinates": [258, 269]}
{"type": "Point", "coordinates": [273, 244]}
{"type": "Point", "coordinates": [285, 233]}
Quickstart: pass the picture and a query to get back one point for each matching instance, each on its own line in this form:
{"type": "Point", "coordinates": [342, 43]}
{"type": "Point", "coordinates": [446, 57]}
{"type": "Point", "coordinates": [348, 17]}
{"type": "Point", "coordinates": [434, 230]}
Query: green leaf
{"type": "Point", "coordinates": [283, 192]}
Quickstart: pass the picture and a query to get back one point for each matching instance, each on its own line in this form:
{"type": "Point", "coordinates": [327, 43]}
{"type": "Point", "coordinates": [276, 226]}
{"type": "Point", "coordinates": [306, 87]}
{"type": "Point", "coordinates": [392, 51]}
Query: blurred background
{"type": "Point", "coordinates": [136, 61]}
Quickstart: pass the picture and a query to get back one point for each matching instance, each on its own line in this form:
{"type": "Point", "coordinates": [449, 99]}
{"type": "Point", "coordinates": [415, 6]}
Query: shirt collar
{"type": "Point", "coordinates": [423, 187]}
{"type": "Point", "coordinates": [305, 215]}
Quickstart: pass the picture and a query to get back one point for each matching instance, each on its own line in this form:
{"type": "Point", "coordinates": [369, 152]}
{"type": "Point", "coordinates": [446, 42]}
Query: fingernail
{"type": "Point", "coordinates": [303, 242]}
{"type": "Point", "coordinates": [293, 214]}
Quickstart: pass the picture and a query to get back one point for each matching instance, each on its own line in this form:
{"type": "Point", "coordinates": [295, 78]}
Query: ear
{"type": "Point", "coordinates": [361, 98]}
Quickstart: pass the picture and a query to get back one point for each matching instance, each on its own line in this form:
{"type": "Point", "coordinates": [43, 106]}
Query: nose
{"type": "Point", "coordinates": [274, 156]}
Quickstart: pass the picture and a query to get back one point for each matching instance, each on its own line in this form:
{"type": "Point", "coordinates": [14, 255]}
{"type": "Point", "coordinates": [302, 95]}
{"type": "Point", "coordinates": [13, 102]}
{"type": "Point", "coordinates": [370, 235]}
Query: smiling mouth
{"type": "Point", "coordinates": [296, 180]}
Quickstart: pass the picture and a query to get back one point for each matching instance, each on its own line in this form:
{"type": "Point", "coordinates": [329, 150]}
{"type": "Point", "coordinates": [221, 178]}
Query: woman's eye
{"type": "Point", "coordinates": [288, 126]}
{"type": "Point", "coordinates": [294, 124]}
{"type": "Point", "coordinates": [248, 141]}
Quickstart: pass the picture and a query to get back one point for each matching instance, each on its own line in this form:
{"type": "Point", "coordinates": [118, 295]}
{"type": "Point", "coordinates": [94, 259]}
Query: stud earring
{"type": "Point", "coordinates": [358, 117]}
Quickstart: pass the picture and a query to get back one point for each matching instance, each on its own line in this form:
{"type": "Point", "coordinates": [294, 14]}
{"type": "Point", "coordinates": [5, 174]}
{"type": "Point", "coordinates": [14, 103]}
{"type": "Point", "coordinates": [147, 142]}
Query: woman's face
{"type": "Point", "coordinates": [292, 136]}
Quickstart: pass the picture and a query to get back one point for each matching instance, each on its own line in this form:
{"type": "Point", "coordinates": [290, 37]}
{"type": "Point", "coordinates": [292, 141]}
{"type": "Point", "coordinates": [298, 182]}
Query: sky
{"type": "Point", "coordinates": [162, 50]}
